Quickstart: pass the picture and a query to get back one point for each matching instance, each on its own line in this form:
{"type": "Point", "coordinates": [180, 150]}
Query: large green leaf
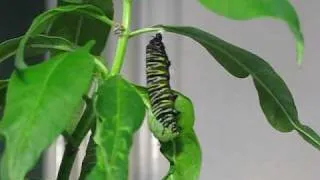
{"type": "Point", "coordinates": [184, 152]}
{"type": "Point", "coordinates": [275, 98]}
{"type": "Point", "coordinates": [40, 104]}
{"type": "Point", "coordinates": [79, 29]}
{"type": "Point", "coordinates": [120, 111]}
{"type": "Point", "coordinates": [36, 45]}
{"type": "Point", "coordinates": [43, 21]}
{"type": "Point", "coordinates": [249, 9]}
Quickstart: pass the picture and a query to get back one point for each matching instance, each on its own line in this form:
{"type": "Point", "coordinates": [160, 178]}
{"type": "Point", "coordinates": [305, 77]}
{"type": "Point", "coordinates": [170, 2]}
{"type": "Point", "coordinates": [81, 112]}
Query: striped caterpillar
{"type": "Point", "coordinates": [164, 122]}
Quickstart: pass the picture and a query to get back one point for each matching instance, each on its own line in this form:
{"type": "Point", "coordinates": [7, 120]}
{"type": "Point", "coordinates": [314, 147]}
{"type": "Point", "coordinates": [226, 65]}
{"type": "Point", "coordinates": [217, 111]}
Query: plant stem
{"type": "Point", "coordinates": [85, 124]}
{"type": "Point", "coordinates": [144, 30]}
{"type": "Point", "coordinates": [102, 68]}
{"type": "Point", "coordinates": [67, 162]}
{"type": "Point", "coordinates": [123, 39]}
{"type": "Point", "coordinates": [105, 20]}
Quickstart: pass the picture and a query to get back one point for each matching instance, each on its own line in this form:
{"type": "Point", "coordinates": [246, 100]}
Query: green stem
{"type": "Point", "coordinates": [85, 124]}
{"type": "Point", "coordinates": [101, 67]}
{"type": "Point", "coordinates": [144, 30]}
{"type": "Point", "coordinates": [123, 39]}
{"type": "Point", "coordinates": [67, 162]}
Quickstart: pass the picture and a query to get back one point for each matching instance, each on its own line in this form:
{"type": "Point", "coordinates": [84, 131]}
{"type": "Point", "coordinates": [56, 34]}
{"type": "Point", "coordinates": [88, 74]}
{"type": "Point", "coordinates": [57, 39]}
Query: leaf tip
{"type": "Point", "coordinates": [299, 51]}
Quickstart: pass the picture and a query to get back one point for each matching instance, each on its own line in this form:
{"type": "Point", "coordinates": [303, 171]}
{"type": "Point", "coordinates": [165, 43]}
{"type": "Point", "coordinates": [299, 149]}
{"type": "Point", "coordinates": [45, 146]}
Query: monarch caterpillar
{"type": "Point", "coordinates": [163, 116]}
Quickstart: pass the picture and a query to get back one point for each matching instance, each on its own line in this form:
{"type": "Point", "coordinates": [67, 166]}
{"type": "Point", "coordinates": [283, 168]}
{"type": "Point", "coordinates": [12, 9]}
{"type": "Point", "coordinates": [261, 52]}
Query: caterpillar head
{"type": "Point", "coordinates": [158, 37]}
{"type": "Point", "coordinates": [156, 43]}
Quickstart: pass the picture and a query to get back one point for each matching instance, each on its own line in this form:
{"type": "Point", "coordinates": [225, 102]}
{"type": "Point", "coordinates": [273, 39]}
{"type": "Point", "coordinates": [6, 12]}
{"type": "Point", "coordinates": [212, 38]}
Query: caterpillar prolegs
{"type": "Point", "coordinates": [164, 122]}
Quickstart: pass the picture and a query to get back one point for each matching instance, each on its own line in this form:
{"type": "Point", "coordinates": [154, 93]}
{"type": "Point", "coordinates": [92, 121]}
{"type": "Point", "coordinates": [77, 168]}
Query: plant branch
{"type": "Point", "coordinates": [90, 158]}
{"type": "Point", "coordinates": [144, 30]}
{"type": "Point", "coordinates": [123, 39]}
{"type": "Point", "coordinates": [85, 124]}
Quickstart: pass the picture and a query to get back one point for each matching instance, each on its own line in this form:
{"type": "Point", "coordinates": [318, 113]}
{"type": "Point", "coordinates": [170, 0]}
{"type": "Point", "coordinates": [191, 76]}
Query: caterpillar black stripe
{"type": "Point", "coordinates": [164, 124]}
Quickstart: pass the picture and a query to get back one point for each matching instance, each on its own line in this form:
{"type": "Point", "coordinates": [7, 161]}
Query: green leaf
{"type": "Point", "coordinates": [121, 112]}
{"type": "Point", "coordinates": [80, 30]}
{"type": "Point", "coordinates": [184, 153]}
{"type": "Point", "coordinates": [40, 104]}
{"type": "Point", "coordinates": [43, 21]}
{"type": "Point", "coordinates": [311, 136]}
{"type": "Point", "coordinates": [248, 9]}
{"type": "Point", "coordinates": [36, 45]}
{"type": "Point", "coordinates": [186, 118]}
{"type": "Point", "coordinates": [275, 98]}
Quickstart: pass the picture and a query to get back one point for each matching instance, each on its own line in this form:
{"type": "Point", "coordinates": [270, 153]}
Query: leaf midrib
{"type": "Point", "coordinates": [116, 137]}
{"type": "Point", "coordinates": [110, 160]}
